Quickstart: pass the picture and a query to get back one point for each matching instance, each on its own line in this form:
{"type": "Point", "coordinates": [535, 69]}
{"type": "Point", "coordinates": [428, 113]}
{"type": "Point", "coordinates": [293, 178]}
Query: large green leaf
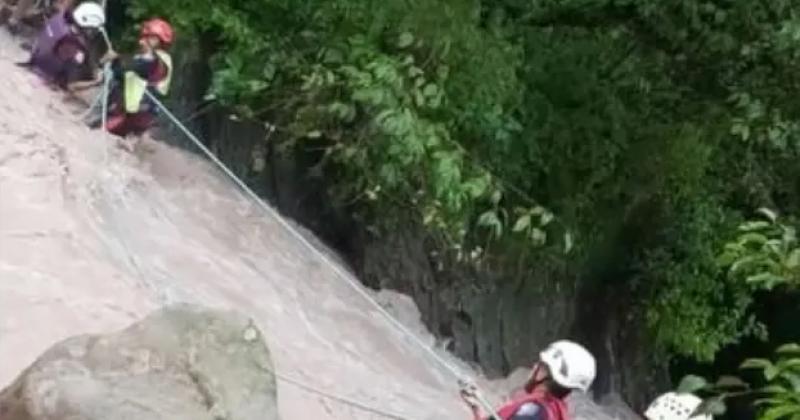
{"type": "Point", "coordinates": [780, 412]}
{"type": "Point", "coordinates": [692, 383]}
{"type": "Point", "coordinates": [790, 348]}
{"type": "Point", "coordinates": [715, 406]}
{"type": "Point", "coordinates": [756, 364]}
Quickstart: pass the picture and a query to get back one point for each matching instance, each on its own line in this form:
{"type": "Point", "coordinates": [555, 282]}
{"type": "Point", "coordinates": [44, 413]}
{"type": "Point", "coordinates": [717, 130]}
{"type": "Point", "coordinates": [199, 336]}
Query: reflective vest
{"type": "Point", "coordinates": [135, 86]}
{"type": "Point", "coordinates": [556, 409]}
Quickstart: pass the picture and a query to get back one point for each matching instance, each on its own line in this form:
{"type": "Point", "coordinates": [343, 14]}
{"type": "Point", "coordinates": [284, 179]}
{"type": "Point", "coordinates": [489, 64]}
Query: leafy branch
{"type": "Point", "coordinates": [777, 399]}
{"type": "Point", "coordinates": [765, 255]}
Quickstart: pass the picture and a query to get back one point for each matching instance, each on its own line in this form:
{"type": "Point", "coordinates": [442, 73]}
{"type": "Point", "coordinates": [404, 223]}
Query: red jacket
{"type": "Point", "coordinates": [555, 408]}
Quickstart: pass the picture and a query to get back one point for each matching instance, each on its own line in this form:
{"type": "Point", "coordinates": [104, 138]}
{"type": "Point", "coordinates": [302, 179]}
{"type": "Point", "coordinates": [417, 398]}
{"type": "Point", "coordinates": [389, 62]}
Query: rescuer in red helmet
{"type": "Point", "coordinates": [149, 70]}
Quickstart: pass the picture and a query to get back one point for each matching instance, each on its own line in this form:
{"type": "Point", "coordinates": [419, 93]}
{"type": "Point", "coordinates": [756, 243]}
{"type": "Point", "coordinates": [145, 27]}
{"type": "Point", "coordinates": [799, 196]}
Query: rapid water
{"type": "Point", "coordinates": [92, 238]}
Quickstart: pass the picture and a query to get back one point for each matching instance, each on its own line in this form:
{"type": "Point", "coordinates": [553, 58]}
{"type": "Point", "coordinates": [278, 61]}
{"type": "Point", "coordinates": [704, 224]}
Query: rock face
{"type": "Point", "coordinates": [498, 319]}
{"type": "Point", "coordinates": [611, 408]}
{"type": "Point", "coordinates": [501, 319]}
{"type": "Point", "coordinates": [183, 362]}
{"type": "Point", "coordinates": [94, 238]}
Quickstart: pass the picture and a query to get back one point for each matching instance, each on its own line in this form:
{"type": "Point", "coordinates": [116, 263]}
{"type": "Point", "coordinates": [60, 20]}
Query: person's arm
{"type": "Point", "coordinates": [79, 72]}
{"type": "Point", "coordinates": [109, 56]}
{"type": "Point", "coordinates": [468, 396]}
{"type": "Point", "coordinates": [142, 67]}
{"type": "Point", "coordinates": [81, 85]}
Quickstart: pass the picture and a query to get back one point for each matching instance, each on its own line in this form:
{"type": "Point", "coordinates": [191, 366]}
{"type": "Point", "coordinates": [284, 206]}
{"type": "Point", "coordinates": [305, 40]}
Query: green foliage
{"type": "Point", "coordinates": [777, 396]}
{"type": "Point", "coordinates": [765, 255]}
{"type": "Point", "coordinates": [631, 133]}
{"type": "Point", "coordinates": [694, 311]}
{"type": "Point", "coordinates": [691, 384]}
{"type": "Point", "coordinates": [386, 90]}
{"type": "Point", "coordinates": [762, 257]}
{"type": "Point", "coordinates": [706, 307]}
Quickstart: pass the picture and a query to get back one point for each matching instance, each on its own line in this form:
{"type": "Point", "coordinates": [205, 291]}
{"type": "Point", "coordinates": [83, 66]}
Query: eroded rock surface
{"type": "Point", "coordinates": [183, 362]}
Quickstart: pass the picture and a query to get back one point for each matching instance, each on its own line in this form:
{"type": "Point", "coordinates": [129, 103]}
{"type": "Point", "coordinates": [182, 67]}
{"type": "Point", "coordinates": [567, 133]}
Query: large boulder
{"type": "Point", "coordinates": [182, 362]}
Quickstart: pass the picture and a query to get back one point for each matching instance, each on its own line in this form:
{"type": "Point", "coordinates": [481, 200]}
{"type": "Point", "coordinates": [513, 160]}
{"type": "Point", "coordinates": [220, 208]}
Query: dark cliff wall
{"type": "Point", "coordinates": [499, 319]}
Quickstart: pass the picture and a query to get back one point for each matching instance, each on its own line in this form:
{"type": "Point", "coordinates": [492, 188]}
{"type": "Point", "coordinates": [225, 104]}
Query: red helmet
{"type": "Point", "coordinates": [160, 29]}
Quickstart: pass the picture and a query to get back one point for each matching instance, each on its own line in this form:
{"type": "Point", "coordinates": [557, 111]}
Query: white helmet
{"type": "Point", "coordinates": [89, 15]}
{"type": "Point", "coordinates": [570, 364]}
{"type": "Point", "coordinates": [674, 406]}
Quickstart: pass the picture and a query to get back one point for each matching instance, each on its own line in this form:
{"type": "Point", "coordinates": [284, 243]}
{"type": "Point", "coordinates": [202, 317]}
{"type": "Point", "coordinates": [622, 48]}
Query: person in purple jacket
{"type": "Point", "coordinates": [61, 53]}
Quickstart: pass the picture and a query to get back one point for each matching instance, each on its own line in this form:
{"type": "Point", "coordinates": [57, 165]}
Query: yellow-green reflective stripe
{"type": "Point", "coordinates": [134, 92]}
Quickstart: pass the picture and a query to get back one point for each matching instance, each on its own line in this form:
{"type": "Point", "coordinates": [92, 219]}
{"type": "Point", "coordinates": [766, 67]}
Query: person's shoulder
{"type": "Point", "coordinates": [530, 411]}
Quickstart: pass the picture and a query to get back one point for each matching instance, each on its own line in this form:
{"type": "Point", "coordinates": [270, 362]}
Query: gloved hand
{"type": "Point", "coordinates": [109, 56]}
{"type": "Point", "coordinates": [469, 394]}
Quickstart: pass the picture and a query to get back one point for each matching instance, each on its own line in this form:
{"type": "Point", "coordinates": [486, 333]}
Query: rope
{"type": "Point", "coordinates": [106, 77]}
{"type": "Point", "coordinates": [103, 96]}
{"type": "Point", "coordinates": [344, 400]}
{"type": "Point", "coordinates": [324, 258]}
{"type": "Point", "coordinates": [102, 99]}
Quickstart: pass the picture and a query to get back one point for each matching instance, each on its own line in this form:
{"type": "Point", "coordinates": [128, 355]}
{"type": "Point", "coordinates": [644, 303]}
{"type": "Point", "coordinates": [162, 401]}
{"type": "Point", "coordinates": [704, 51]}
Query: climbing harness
{"type": "Point", "coordinates": [462, 378]}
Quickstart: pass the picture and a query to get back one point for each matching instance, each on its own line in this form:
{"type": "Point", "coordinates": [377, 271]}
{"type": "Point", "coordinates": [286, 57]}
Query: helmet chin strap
{"type": "Point", "coordinates": [532, 382]}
